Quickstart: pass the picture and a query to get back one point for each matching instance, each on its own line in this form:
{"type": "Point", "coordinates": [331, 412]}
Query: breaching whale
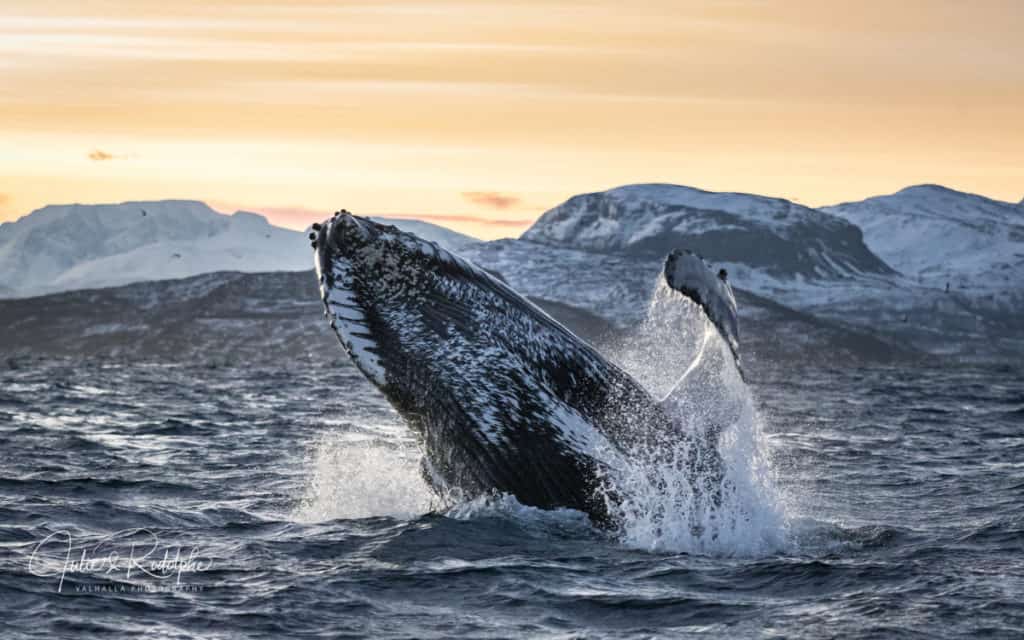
{"type": "Point", "coordinates": [502, 398]}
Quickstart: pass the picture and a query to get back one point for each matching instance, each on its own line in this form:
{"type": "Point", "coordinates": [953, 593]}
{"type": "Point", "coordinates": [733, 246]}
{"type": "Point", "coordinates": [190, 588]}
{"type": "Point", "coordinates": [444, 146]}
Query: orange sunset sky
{"type": "Point", "coordinates": [481, 115]}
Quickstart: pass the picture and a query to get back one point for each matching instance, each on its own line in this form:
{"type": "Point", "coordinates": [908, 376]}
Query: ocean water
{"type": "Point", "coordinates": [189, 501]}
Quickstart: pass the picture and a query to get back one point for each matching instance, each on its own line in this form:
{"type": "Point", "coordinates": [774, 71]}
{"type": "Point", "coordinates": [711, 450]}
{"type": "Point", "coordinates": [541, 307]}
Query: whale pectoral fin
{"type": "Point", "coordinates": [700, 399]}
{"type": "Point", "coordinates": [687, 273]}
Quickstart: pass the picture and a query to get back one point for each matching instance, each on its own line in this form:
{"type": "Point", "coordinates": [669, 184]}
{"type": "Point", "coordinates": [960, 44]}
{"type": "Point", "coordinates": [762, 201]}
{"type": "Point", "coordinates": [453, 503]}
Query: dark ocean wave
{"type": "Point", "coordinates": [296, 494]}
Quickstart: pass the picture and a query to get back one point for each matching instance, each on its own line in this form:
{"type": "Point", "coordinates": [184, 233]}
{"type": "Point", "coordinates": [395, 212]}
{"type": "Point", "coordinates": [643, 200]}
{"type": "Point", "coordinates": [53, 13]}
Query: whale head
{"type": "Point", "coordinates": [502, 397]}
{"type": "Point", "coordinates": [373, 279]}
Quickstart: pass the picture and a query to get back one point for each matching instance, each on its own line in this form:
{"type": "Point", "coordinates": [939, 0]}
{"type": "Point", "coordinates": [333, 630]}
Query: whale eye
{"type": "Point", "coordinates": [312, 236]}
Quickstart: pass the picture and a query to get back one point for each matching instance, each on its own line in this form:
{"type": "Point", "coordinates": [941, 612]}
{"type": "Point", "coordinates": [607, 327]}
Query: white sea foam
{"type": "Point", "coordinates": [506, 505]}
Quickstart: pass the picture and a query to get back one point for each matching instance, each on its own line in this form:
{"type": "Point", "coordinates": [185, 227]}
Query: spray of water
{"type": "Point", "coordinates": [360, 478]}
{"type": "Point", "coordinates": [666, 502]}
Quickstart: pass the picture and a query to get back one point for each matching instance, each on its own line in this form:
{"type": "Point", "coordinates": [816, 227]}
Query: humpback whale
{"type": "Point", "coordinates": [502, 398]}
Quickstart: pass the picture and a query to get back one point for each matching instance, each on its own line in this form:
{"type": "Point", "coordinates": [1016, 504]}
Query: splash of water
{"type": "Point", "coordinates": [363, 478]}
{"type": "Point", "coordinates": [666, 342]}
{"type": "Point", "coordinates": [741, 511]}
{"type": "Point", "coordinates": [360, 478]}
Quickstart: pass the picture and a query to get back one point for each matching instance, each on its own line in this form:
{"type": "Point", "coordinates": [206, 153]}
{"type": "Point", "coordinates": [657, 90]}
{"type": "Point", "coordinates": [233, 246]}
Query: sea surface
{"type": "Point", "coordinates": [189, 501]}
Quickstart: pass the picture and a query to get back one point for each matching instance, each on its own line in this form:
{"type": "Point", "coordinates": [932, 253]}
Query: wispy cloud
{"type": "Point", "coordinates": [492, 199]}
{"type": "Point", "coordinates": [100, 155]}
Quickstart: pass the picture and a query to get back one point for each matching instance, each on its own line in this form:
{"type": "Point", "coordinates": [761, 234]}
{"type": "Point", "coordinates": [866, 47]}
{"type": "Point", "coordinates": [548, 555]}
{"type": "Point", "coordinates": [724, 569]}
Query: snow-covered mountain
{"type": "Point", "coordinates": [65, 247]}
{"type": "Point", "coordinates": [61, 247]}
{"type": "Point", "coordinates": [603, 251]}
{"type": "Point", "coordinates": [776, 237]}
{"type": "Point", "coordinates": [936, 235]}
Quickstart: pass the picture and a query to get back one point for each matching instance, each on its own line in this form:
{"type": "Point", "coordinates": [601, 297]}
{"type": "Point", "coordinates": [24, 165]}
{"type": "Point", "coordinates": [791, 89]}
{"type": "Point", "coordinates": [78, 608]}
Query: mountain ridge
{"type": "Point", "coordinates": [924, 187]}
{"type": "Point", "coordinates": [577, 248]}
{"type": "Point", "coordinates": [946, 239]}
{"type": "Point", "coordinates": [74, 246]}
{"type": "Point", "coordinates": [779, 237]}
{"type": "Point", "coordinates": [602, 255]}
